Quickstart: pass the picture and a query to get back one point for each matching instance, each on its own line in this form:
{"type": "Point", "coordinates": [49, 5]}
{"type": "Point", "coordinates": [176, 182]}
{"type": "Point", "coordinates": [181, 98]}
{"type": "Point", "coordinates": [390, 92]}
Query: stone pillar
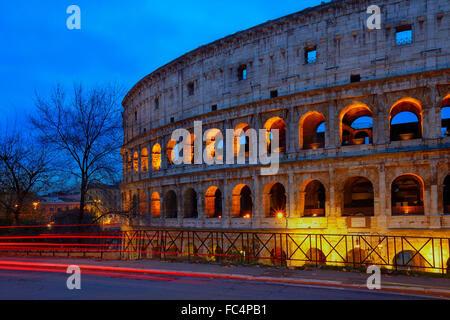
{"type": "Point", "coordinates": [226, 201]}
{"type": "Point", "coordinates": [333, 132]}
{"type": "Point", "coordinates": [290, 212]}
{"type": "Point", "coordinates": [257, 201]}
{"type": "Point", "coordinates": [149, 203]}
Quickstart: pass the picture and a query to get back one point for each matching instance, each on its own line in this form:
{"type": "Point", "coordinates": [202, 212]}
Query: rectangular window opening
{"type": "Point", "coordinates": [273, 94]}
{"type": "Point", "coordinates": [404, 35]}
{"type": "Point", "coordinates": [242, 72]}
{"type": "Point", "coordinates": [190, 88]}
{"type": "Point", "coordinates": [355, 78]}
{"type": "Point", "coordinates": [310, 55]}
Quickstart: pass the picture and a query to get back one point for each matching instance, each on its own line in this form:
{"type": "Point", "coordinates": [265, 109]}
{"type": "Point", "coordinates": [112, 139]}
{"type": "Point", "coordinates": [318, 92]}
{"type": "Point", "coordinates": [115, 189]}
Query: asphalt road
{"type": "Point", "coordinates": [38, 285]}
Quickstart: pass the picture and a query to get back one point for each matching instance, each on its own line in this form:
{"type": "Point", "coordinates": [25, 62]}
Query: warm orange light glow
{"type": "Point", "coordinates": [280, 215]}
{"type": "Point", "coordinates": [247, 216]}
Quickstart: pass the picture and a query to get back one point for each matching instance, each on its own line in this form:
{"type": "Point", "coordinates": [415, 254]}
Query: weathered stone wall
{"type": "Point", "coordinates": [415, 74]}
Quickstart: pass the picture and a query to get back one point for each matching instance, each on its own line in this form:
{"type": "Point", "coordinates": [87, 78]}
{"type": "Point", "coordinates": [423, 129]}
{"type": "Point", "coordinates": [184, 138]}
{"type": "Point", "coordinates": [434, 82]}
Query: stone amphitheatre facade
{"type": "Point", "coordinates": [342, 97]}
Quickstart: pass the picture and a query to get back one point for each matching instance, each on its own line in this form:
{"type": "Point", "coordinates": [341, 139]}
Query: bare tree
{"type": "Point", "coordinates": [85, 131]}
{"type": "Point", "coordinates": [24, 170]}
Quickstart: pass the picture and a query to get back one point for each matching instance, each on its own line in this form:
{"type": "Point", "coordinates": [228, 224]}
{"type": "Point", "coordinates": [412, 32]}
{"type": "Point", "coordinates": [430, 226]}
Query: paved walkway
{"type": "Point", "coordinates": [421, 286]}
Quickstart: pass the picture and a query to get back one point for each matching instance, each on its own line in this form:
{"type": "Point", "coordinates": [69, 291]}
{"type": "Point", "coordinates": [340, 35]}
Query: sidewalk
{"type": "Point", "coordinates": [413, 285]}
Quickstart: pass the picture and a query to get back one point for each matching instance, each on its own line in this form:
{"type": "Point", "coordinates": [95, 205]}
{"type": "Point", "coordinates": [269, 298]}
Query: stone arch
{"type": "Point", "coordinates": [171, 151]}
{"type": "Point", "coordinates": [314, 200]}
{"type": "Point", "coordinates": [358, 256]}
{"type": "Point", "coordinates": [171, 205]}
{"type": "Point", "coordinates": [316, 256]}
{"type": "Point", "coordinates": [129, 162]}
{"type": "Point", "coordinates": [214, 144]}
{"type": "Point", "coordinates": [309, 136]}
{"type": "Point", "coordinates": [274, 200]}
{"type": "Point", "coordinates": [358, 197]}
{"type": "Point", "coordinates": [136, 162]}
{"type": "Point", "coordinates": [276, 123]}
{"type": "Point", "coordinates": [242, 203]}
{"type": "Point", "coordinates": [409, 258]}
{"type": "Point", "coordinates": [407, 195]}
{"type": "Point", "coordinates": [155, 205]}
{"type": "Point", "coordinates": [351, 125]}
{"type": "Point", "coordinates": [213, 202]}
{"type": "Point", "coordinates": [190, 204]}
{"type": "Point", "coordinates": [399, 127]}
{"type": "Point", "coordinates": [241, 141]}
{"type": "Point", "coordinates": [144, 159]}
{"type": "Point", "coordinates": [156, 157]}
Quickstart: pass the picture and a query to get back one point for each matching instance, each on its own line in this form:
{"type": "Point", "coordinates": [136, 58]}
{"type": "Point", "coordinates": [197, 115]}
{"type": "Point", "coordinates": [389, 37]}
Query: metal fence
{"type": "Point", "coordinates": [426, 254]}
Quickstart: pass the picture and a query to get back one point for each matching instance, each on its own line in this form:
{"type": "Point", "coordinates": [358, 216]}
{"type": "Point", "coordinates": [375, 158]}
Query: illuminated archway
{"type": "Point", "coordinates": [407, 195]}
{"type": "Point", "coordinates": [275, 200]}
{"type": "Point", "coordinates": [314, 199]}
{"type": "Point", "coordinates": [213, 202]}
{"type": "Point", "coordinates": [156, 157]}
{"type": "Point", "coordinates": [136, 162]}
{"type": "Point", "coordinates": [405, 120]}
{"type": "Point", "coordinates": [214, 144]}
{"type": "Point", "coordinates": [358, 197]}
{"type": "Point", "coordinates": [155, 206]}
{"type": "Point", "coordinates": [170, 205]}
{"type": "Point", "coordinates": [242, 141]}
{"type": "Point", "coordinates": [312, 131]}
{"type": "Point", "coordinates": [276, 123]}
{"type": "Point", "coordinates": [356, 125]}
{"type": "Point", "coordinates": [144, 160]}
{"type": "Point", "coordinates": [190, 204]}
{"type": "Point", "coordinates": [242, 203]}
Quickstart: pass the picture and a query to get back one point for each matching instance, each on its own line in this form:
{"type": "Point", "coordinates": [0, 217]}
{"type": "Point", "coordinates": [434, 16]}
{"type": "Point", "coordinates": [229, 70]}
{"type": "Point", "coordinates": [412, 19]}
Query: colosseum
{"type": "Point", "coordinates": [362, 114]}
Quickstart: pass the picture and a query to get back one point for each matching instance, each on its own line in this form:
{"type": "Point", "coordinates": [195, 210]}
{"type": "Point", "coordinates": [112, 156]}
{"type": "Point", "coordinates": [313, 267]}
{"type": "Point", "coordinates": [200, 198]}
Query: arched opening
{"type": "Point", "coordinates": [136, 162]}
{"type": "Point", "coordinates": [358, 256]}
{"type": "Point", "coordinates": [190, 204]}
{"type": "Point", "coordinates": [170, 205]}
{"type": "Point", "coordinates": [129, 163]}
{"type": "Point", "coordinates": [214, 144]}
{"type": "Point", "coordinates": [241, 142]}
{"type": "Point", "coordinates": [315, 255]}
{"type": "Point", "coordinates": [213, 202]}
{"type": "Point", "coordinates": [314, 204]}
{"type": "Point", "coordinates": [172, 152]}
{"type": "Point", "coordinates": [312, 131]}
{"type": "Point", "coordinates": [278, 257]}
{"type": "Point", "coordinates": [409, 258]}
{"type": "Point", "coordinates": [242, 203]}
{"type": "Point", "coordinates": [356, 125]}
{"type": "Point", "coordinates": [275, 200]}
{"type": "Point", "coordinates": [446, 195]}
{"type": "Point", "coordinates": [156, 157]}
{"type": "Point", "coordinates": [144, 160]}
{"type": "Point", "coordinates": [155, 205]}
{"type": "Point", "coordinates": [358, 197]}
{"type": "Point", "coordinates": [445, 117]}
{"type": "Point", "coordinates": [407, 196]}
{"type": "Point", "coordinates": [405, 120]}
{"type": "Point", "coordinates": [276, 123]}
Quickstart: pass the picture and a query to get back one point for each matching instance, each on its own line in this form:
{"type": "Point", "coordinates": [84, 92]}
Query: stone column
{"type": "Point", "coordinates": [290, 212]}
{"type": "Point", "coordinates": [256, 198]}
{"type": "Point", "coordinates": [149, 203]}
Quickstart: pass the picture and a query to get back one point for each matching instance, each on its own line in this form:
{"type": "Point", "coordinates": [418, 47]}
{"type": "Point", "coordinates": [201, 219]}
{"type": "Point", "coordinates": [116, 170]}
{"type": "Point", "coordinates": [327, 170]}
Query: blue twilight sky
{"type": "Point", "coordinates": [119, 41]}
